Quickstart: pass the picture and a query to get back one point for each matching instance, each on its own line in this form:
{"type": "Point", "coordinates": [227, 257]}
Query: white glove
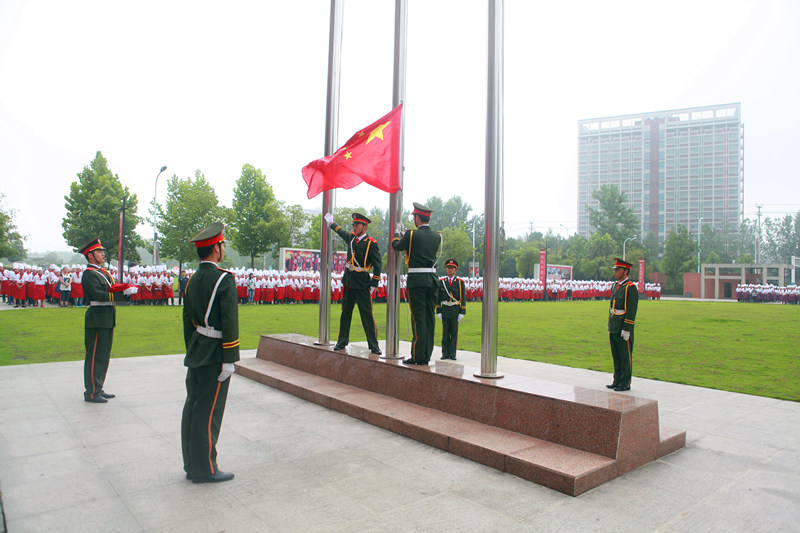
{"type": "Point", "coordinates": [227, 370]}
{"type": "Point", "coordinates": [439, 315]}
{"type": "Point", "coordinates": [626, 335]}
{"type": "Point", "coordinates": [328, 218]}
{"type": "Point", "coordinates": [460, 317]}
{"type": "Point", "coordinates": [398, 228]}
{"type": "Point", "coordinates": [371, 291]}
{"type": "Point", "coordinates": [130, 290]}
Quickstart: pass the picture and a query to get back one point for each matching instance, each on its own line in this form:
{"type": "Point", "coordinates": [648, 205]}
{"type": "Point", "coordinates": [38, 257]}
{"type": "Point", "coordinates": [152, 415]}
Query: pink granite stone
{"type": "Point", "coordinates": [330, 365]}
{"type": "Point", "coordinates": [471, 400]}
{"type": "Point", "coordinates": [584, 427]}
{"type": "Point", "coordinates": [638, 438]}
{"type": "Point", "coordinates": [523, 413]}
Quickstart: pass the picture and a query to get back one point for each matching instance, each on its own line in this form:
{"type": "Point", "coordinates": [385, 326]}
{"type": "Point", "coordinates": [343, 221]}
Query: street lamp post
{"type": "Point", "coordinates": [624, 243]}
{"type": "Point", "coordinates": [699, 231]}
{"type": "Point", "coordinates": [155, 217]}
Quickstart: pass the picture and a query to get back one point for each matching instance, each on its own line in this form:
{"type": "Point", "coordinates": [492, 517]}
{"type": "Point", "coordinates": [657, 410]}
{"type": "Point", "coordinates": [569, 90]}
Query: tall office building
{"type": "Point", "coordinates": [674, 166]}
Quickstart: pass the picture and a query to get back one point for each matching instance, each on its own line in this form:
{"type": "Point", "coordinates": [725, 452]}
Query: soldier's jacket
{"type": "Point", "coordinates": [223, 317]}
{"type": "Point", "coordinates": [622, 307]}
{"type": "Point", "coordinates": [452, 296]}
{"type": "Point", "coordinates": [422, 248]}
{"type": "Point", "coordinates": [361, 257]}
{"type": "Point", "coordinates": [96, 283]}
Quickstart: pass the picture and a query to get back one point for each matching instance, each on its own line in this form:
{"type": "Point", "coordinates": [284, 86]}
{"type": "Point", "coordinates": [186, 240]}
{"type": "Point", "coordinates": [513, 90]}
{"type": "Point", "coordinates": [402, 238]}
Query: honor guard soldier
{"type": "Point", "coordinates": [211, 334]}
{"type": "Point", "coordinates": [451, 308]}
{"type": "Point", "coordinates": [421, 247]}
{"type": "Point", "coordinates": [621, 319]}
{"type": "Point", "coordinates": [363, 254]}
{"type": "Point", "coordinates": [99, 292]}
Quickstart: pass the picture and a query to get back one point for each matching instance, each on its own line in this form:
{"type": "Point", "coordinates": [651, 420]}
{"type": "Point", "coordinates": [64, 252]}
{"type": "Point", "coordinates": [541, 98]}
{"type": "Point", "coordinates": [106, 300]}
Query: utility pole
{"type": "Point", "coordinates": [758, 231]}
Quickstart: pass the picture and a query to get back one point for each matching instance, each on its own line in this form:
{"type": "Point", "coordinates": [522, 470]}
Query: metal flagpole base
{"type": "Point", "coordinates": [392, 357]}
{"type": "Point", "coordinates": [329, 343]}
{"type": "Point", "coordinates": [488, 376]}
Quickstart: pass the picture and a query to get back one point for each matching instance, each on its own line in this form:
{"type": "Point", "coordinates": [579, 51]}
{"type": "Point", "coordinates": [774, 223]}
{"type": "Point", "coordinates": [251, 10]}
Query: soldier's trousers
{"type": "Point", "coordinates": [95, 366]}
{"type": "Point", "coordinates": [449, 335]}
{"type": "Point", "coordinates": [422, 301]}
{"type": "Point", "coordinates": [622, 354]}
{"type": "Point", "coordinates": [350, 298]}
{"type": "Point", "coordinates": [202, 419]}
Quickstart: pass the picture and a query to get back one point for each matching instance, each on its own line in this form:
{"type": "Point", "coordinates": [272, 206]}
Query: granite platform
{"type": "Point", "coordinates": [565, 437]}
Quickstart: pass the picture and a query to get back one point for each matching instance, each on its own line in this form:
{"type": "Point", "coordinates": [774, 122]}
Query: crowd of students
{"type": "Point", "coordinates": [31, 286]}
{"type": "Point", "coordinates": [789, 294]}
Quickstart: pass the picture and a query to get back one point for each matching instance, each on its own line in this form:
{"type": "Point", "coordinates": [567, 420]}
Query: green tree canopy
{"type": "Point", "coordinates": [257, 224]}
{"type": "Point", "coordinates": [93, 208]}
{"type": "Point", "coordinates": [612, 216]}
{"type": "Point", "coordinates": [453, 213]}
{"type": "Point", "coordinates": [11, 242]}
{"type": "Point", "coordinates": [680, 256]}
{"type": "Point", "coordinates": [782, 238]}
{"type": "Point", "coordinates": [455, 245]}
{"type": "Point", "coordinates": [191, 206]}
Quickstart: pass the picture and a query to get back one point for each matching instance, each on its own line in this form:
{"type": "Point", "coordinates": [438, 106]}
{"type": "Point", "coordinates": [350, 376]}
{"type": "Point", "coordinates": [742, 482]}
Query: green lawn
{"type": "Point", "coordinates": [749, 348]}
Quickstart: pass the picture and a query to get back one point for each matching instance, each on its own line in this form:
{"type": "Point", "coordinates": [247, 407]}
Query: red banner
{"type": "Point", "coordinates": [640, 285]}
{"type": "Point", "coordinates": [543, 265]}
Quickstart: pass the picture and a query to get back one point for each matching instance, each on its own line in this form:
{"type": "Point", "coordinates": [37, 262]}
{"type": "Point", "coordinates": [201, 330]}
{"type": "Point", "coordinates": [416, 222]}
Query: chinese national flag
{"type": "Point", "coordinates": [371, 156]}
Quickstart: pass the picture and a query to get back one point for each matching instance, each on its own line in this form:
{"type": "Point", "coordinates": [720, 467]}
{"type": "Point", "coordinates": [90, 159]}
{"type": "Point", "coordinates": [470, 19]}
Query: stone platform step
{"type": "Point", "coordinates": [555, 466]}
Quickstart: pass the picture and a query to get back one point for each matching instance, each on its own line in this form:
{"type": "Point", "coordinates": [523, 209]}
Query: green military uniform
{"type": "Point", "coordinates": [363, 254]}
{"type": "Point", "coordinates": [211, 334]}
{"type": "Point", "coordinates": [99, 323]}
{"type": "Point", "coordinates": [622, 317]}
{"type": "Point", "coordinates": [421, 247]}
{"type": "Point", "coordinates": [450, 306]}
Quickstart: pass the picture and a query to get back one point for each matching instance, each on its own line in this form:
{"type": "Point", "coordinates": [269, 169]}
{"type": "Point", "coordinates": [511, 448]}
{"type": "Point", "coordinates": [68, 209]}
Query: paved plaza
{"type": "Point", "coordinates": [71, 466]}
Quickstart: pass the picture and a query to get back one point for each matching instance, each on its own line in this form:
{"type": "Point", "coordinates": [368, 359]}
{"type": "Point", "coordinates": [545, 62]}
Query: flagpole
{"type": "Point", "coordinates": [493, 191]}
{"type": "Point", "coordinates": [396, 199]}
{"type": "Point", "coordinates": [329, 197]}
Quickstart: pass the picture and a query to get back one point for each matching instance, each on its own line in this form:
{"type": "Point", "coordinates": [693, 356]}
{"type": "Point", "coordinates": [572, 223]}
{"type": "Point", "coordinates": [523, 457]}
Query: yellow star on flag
{"type": "Point", "coordinates": [348, 155]}
{"type": "Point", "coordinates": [377, 132]}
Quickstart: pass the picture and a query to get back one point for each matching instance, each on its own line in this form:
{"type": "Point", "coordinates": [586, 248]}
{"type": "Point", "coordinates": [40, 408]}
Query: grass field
{"type": "Point", "coordinates": [748, 348]}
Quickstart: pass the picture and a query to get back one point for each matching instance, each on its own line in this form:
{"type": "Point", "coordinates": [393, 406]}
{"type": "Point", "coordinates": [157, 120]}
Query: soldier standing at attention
{"type": "Point", "coordinates": [421, 247]}
{"type": "Point", "coordinates": [101, 314]}
{"type": "Point", "coordinates": [211, 333]}
{"type": "Point", "coordinates": [363, 254]}
{"type": "Point", "coordinates": [621, 319]}
{"type": "Point", "coordinates": [451, 308]}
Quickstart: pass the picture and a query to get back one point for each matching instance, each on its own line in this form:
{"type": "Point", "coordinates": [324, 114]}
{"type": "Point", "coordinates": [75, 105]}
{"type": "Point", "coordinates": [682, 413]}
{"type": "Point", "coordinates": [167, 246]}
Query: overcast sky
{"type": "Point", "coordinates": [212, 86]}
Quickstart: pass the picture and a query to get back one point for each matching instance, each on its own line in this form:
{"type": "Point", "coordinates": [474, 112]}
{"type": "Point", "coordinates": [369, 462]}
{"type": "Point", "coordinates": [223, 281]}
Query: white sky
{"type": "Point", "coordinates": [214, 85]}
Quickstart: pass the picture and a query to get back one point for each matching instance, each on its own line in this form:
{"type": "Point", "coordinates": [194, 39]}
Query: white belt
{"type": "Point", "coordinates": [95, 304]}
{"type": "Point", "coordinates": [421, 270]}
{"type": "Point", "coordinates": [209, 332]}
{"type": "Point", "coordinates": [450, 304]}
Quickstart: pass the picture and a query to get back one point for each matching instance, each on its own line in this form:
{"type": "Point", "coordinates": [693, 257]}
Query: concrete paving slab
{"type": "Point", "coordinates": [66, 465]}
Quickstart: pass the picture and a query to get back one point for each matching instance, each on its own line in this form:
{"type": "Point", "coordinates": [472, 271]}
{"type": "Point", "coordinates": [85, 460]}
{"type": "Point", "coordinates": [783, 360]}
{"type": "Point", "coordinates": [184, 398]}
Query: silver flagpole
{"type": "Point", "coordinates": [329, 197]}
{"type": "Point", "coordinates": [396, 199]}
{"type": "Point", "coordinates": [493, 194]}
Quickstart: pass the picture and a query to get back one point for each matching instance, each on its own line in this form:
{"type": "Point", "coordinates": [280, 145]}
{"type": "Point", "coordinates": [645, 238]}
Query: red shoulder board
{"type": "Point", "coordinates": [370, 239]}
{"type": "Point", "coordinates": [228, 271]}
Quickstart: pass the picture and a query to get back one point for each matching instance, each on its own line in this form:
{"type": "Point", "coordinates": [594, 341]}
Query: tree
{"type": "Point", "coordinates": [782, 238]}
{"type": "Point", "coordinates": [527, 257]}
{"type": "Point", "coordinates": [612, 216]}
{"type": "Point", "coordinates": [680, 256]}
{"type": "Point", "coordinates": [93, 209]}
{"type": "Point", "coordinates": [256, 221]}
{"type": "Point", "coordinates": [453, 213]}
{"type": "Point", "coordinates": [455, 245]}
{"type": "Point", "coordinates": [600, 256]}
{"type": "Point", "coordinates": [296, 223]}
{"type": "Point", "coordinates": [191, 206]}
{"type": "Point", "coordinates": [11, 245]}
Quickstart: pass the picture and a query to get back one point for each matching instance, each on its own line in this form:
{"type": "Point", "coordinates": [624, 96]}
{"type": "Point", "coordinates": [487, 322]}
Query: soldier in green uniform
{"type": "Point", "coordinates": [621, 319]}
{"type": "Point", "coordinates": [421, 247]}
{"type": "Point", "coordinates": [99, 292]}
{"type": "Point", "coordinates": [363, 254]}
{"type": "Point", "coordinates": [451, 308]}
{"type": "Point", "coordinates": [211, 333]}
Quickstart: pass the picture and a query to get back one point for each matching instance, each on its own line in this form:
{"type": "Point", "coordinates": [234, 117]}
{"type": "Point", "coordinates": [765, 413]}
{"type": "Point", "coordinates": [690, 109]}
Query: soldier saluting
{"type": "Point", "coordinates": [363, 255]}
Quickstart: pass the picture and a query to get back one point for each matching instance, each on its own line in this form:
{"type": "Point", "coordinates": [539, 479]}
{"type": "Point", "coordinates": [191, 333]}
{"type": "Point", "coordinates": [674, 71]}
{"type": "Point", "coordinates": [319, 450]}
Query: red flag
{"type": "Point", "coordinates": [371, 156]}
